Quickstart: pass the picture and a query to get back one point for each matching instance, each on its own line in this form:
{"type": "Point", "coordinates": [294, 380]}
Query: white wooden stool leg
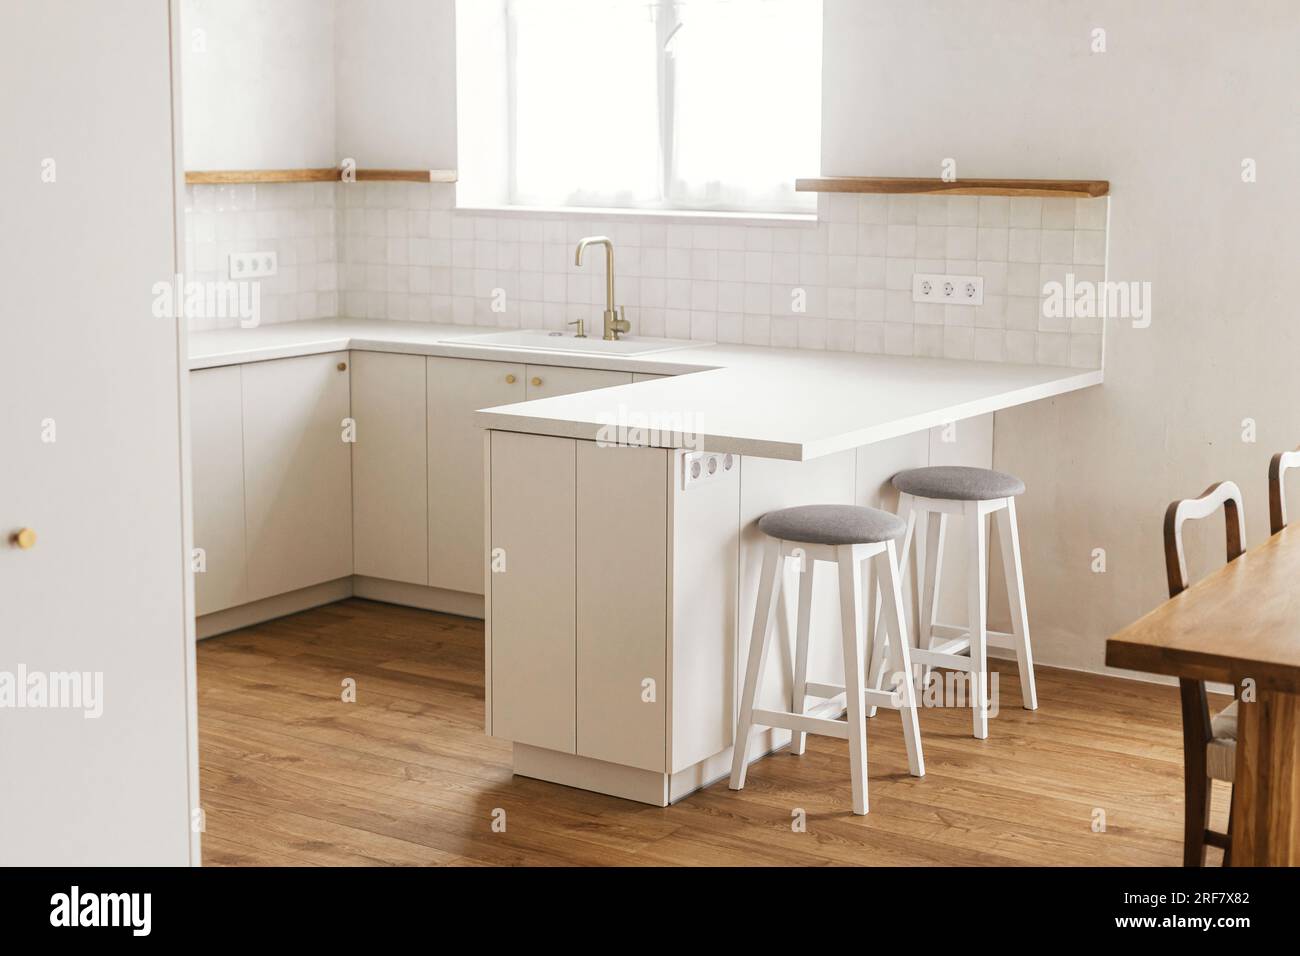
{"type": "Point", "coordinates": [936, 527]}
{"type": "Point", "coordinates": [977, 610]}
{"type": "Point", "coordinates": [900, 655]}
{"type": "Point", "coordinates": [769, 588]}
{"type": "Point", "coordinates": [913, 519]}
{"type": "Point", "coordinates": [1009, 535]}
{"type": "Point", "coordinates": [879, 658]}
{"type": "Point", "coordinates": [854, 673]}
{"type": "Point", "coordinates": [801, 650]}
{"type": "Point", "coordinates": [877, 640]}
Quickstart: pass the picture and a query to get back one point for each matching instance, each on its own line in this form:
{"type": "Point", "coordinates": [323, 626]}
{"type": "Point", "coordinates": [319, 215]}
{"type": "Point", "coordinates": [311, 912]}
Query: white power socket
{"type": "Point", "coordinates": [698, 466]}
{"type": "Point", "coordinates": [948, 290]}
{"type": "Point", "coordinates": [252, 265]}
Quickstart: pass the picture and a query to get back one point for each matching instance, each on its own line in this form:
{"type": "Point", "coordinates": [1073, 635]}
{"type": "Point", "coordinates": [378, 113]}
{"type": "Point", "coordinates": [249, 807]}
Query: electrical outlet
{"type": "Point", "coordinates": [948, 290]}
{"type": "Point", "coordinates": [698, 466]}
{"type": "Point", "coordinates": [252, 265]}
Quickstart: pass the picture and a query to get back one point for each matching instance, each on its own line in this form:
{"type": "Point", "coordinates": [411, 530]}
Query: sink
{"type": "Point", "coordinates": [543, 341]}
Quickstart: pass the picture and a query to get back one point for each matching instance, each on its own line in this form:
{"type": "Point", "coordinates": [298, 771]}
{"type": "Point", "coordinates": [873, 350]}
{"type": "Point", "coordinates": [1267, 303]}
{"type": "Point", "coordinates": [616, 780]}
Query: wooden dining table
{"type": "Point", "coordinates": [1241, 626]}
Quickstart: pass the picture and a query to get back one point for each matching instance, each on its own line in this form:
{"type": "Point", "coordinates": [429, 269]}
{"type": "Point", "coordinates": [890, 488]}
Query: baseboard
{"type": "Point", "coordinates": [372, 589]}
{"type": "Point", "coordinates": [268, 609]}
{"type": "Point", "coordinates": [417, 595]}
{"type": "Point", "coordinates": [634, 783]}
{"type": "Point", "coordinates": [587, 773]}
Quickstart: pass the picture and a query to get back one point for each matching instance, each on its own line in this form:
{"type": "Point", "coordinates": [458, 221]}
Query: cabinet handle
{"type": "Point", "coordinates": [343, 366]}
{"type": "Point", "coordinates": [510, 380]}
{"type": "Point", "coordinates": [24, 538]}
{"type": "Point", "coordinates": [536, 380]}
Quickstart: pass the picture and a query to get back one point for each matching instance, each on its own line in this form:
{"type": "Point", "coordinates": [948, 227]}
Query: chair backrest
{"type": "Point", "coordinates": [1282, 462]}
{"type": "Point", "coordinates": [1224, 493]}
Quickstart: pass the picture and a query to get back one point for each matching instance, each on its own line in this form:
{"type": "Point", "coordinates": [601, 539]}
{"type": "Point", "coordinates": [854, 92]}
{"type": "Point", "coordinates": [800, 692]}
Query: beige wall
{"type": "Point", "coordinates": [1184, 93]}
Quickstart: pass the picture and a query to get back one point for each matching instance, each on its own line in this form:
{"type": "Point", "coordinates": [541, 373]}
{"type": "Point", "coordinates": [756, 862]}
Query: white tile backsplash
{"type": "Point", "coordinates": [296, 221]}
{"type": "Point", "coordinates": [401, 251]}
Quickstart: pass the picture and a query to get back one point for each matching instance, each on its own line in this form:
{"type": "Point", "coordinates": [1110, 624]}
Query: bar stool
{"type": "Point", "coordinates": [848, 537]}
{"type": "Point", "coordinates": [973, 493]}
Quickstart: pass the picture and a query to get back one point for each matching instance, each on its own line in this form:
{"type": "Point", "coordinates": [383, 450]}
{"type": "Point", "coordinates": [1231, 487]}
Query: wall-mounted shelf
{"type": "Point", "coordinates": [327, 175]}
{"type": "Point", "coordinates": [407, 175]}
{"type": "Point", "coordinates": [1062, 188]}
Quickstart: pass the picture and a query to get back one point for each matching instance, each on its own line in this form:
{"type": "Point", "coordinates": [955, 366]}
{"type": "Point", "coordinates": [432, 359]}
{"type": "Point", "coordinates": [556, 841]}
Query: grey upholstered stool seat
{"type": "Point", "coordinates": [958, 483]}
{"type": "Point", "coordinates": [832, 524]}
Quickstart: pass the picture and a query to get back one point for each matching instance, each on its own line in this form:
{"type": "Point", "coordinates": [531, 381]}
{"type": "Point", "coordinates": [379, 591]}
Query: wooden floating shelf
{"type": "Point", "coordinates": [893, 185]}
{"type": "Point", "coordinates": [407, 175]}
{"type": "Point", "coordinates": [328, 175]}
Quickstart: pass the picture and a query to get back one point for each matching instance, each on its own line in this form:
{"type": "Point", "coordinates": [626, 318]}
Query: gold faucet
{"type": "Point", "coordinates": [615, 318]}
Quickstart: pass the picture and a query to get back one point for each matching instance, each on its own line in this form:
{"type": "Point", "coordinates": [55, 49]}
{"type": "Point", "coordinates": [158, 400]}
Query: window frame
{"type": "Point", "coordinates": [667, 23]}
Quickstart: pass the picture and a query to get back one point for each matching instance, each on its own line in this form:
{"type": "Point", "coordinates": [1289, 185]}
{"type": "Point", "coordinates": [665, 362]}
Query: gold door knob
{"type": "Point", "coordinates": [343, 366]}
{"type": "Point", "coordinates": [536, 380]}
{"type": "Point", "coordinates": [510, 380]}
{"type": "Point", "coordinates": [24, 538]}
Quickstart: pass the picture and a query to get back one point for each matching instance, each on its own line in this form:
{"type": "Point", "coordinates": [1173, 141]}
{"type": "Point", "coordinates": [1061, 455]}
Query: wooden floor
{"type": "Point", "coordinates": [292, 775]}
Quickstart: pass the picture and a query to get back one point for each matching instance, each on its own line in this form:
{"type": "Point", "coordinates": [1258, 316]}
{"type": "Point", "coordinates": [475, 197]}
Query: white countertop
{"type": "Point", "coordinates": [791, 404]}
{"type": "Point", "coordinates": [314, 336]}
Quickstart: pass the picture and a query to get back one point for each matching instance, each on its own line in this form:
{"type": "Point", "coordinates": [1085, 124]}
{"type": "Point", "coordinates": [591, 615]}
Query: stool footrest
{"type": "Point", "coordinates": [872, 697]}
{"type": "Point", "coordinates": [999, 639]}
{"type": "Point", "coordinates": [802, 722]}
{"type": "Point", "coordinates": [937, 659]}
{"type": "Point", "coordinates": [955, 646]}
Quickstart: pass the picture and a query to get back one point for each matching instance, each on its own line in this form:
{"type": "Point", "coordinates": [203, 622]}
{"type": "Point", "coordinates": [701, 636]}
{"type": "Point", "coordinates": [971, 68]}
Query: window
{"type": "Point", "coordinates": [654, 104]}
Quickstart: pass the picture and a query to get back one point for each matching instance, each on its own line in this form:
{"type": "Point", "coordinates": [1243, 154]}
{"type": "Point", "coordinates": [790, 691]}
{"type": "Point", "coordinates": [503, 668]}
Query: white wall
{"type": "Point", "coordinates": [396, 81]}
{"type": "Point", "coordinates": [1185, 91]}
{"type": "Point", "coordinates": [259, 84]}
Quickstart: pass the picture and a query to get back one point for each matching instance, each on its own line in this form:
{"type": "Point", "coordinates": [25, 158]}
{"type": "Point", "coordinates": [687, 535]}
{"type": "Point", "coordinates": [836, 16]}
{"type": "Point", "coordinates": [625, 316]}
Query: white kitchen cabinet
{"type": "Point", "coordinates": [284, 502]}
{"type": "Point", "coordinates": [547, 381]}
{"type": "Point", "coordinates": [390, 491]}
{"type": "Point", "coordinates": [455, 389]}
{"type": "Point", "coordinates": [531, 663]}
{"type": "Point", "coordinates": [622, 626]}
{"type": "Point", "coordinates": [612, 625]}
{"type": "Point", "coordinates": [217, 457]}
{"type": "Point", "coordinates": [297, 473]}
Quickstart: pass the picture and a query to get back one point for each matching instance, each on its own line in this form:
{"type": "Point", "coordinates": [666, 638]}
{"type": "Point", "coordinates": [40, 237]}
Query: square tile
{"type": "Point", "coordinates": [1058, 213]}
{"type": "Point", "coordinates": [1024, 245]}
{"type": "Point", "coordinates": [995, 211]}
{"type": "Point", "coordinates": [1057, 246]}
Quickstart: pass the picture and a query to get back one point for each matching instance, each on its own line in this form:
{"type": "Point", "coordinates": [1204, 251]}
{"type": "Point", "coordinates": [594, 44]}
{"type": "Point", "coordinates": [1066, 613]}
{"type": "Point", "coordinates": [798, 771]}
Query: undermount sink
{"type": "Point", "coordinates": [543, 341]}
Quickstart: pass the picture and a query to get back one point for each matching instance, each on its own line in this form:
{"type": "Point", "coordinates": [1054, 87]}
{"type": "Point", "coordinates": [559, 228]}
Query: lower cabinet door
{"type": "Point", "coordinates": [622, 616]}
{"type": "Point", "coordinates": [531, 650]}
{"type": "Point", "coordinates": [456, 388]}
{"type": "Point", "coordinates": [217, 468]}
{"type": "Point", "coordinates": [390, 516]}
{"type": "Point", "coordinates": [297, 473]}
{"type": "Point", "coordinates": [547, 381]}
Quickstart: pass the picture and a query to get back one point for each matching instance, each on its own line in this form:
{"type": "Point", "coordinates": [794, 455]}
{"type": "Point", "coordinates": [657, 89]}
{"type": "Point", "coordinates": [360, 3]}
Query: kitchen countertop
{"type": "Point", "coordinates": [792, 404]}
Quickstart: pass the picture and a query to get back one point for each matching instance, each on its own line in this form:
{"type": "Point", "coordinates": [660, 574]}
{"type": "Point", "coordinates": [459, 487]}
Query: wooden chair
{"type": "Point", "coordinates": [1282, 462]}
{"type": "Point", "coordinates": [1209, 743]}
